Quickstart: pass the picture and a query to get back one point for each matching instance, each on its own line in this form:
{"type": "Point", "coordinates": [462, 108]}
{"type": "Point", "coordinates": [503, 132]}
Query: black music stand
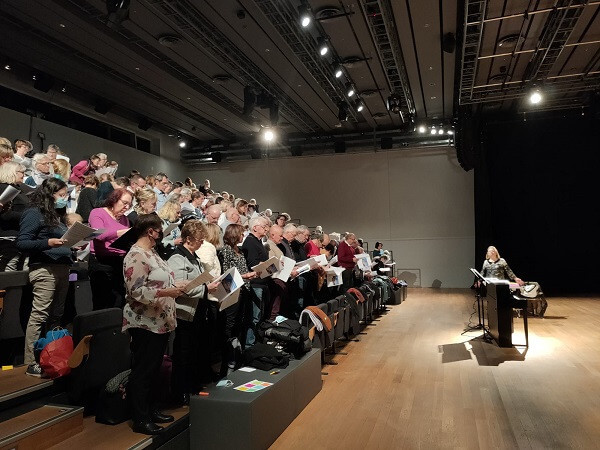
{"type": "Point", "coordinates": [480, 293]}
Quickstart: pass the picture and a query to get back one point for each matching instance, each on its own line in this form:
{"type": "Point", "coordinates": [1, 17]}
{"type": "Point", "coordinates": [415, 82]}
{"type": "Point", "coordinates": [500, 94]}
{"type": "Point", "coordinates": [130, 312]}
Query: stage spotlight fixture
{"type": "Point", "coordinates": [450, 132]}
{"type": "Point", "coordinates": [360, 106]}
{"type": "Point", "coordinates": [182, 143]}
{"type": "Point", "coordinates": [441, 131]}
{"type": "Point", "coordinates": [268, 135]}
{"type": "Point", "coordinates": [535, 97]}
{"type": "Point", "coordinates": [322, 45]}
{"type": "Point", "coordinates": [394, 103]}
{"type": "Point", "coordinates": [422, 129]}
{"type": "Point", "coordinates": [7, 67]}
{"type": "Point", "coordinates": [350, 90]}
{"type": "Point", "coordinates": [339, 71]}
{"type": "Point", "coordinates": [305, 15]}
{"type": "Point", "coordinates": [433, 130]}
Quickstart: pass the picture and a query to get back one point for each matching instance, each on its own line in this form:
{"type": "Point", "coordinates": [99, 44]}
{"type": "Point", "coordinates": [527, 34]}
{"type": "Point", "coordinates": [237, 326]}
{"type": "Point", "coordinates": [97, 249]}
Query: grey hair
{"type": "Point", "coordinates": [289, 228]}
{"type": "Point", "coordinates": [302, 228]}
{"type": "Point", "coordinates": [37, 158]}
{"type": "Point", "coordinates": [256, 221]}
{"type": "Point", "coordinates": [8, 171]}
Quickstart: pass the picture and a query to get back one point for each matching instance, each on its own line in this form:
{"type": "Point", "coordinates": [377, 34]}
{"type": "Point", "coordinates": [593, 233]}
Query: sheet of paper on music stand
{"type": "Point", "coordinates": [9, 194]}
{"type": "Point", "coordinates": [385, 269]}
{"type": "Point", "coordinates": [287, 265]}
{"type": "Point", "coordinates": [77, 232]}
{"type": "Point", "coordinates": [170, 228]}
{"type": "Point", "coordinates": [363, 261]}
{"type": "Point", "coordinates": [334, 276]}
{"type": "Point", "coordinates": [390, 264]}
{"type": "Point", "coordinates": [203, 278]}
{"type": "Point", "coordinates": [268, 267]}
{"type": "Point", "coordinates": [228, 292]}
{"type": "Point", "coordinates": [333, 260]}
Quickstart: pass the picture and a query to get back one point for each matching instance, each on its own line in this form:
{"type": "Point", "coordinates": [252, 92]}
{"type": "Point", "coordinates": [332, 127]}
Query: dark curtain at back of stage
{"type": "Point", "coordinates": [537, 200]}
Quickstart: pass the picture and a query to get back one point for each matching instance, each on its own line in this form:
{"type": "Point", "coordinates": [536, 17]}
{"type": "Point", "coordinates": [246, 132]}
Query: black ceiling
{"type": "Point", "coordinates": [184, 64]}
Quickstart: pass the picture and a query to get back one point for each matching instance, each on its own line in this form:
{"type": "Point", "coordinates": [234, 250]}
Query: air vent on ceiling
{"type": "Point", "coordinates": [500, 77]}
{"type": "Point", "coordinates": [327, 12]}
{"type": "Point", "coordinates": [221, 79]}
{"type": "Point", "coordinates": [169, 40]}
{"type": "Point", "coordinates": [510, 40]}
{"type": "Point", "coordinates": [352, 61]}
{"type": "Point", "coordinates": [379, 115]}
{"type": "Point", "coordinates": [369, 92]}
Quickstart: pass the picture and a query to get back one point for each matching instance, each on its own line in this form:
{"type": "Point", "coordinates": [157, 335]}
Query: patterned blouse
{"type": "Point", "coordinates": [145, 274]}
{"type": "Point", "coordinates": [497, 269]}
{"type": "Point", "coordinates": [229, 258]}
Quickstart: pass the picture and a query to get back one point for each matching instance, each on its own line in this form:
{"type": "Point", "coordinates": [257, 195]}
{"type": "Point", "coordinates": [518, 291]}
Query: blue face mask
{"type": "Point", "coordinates": [60, 203]}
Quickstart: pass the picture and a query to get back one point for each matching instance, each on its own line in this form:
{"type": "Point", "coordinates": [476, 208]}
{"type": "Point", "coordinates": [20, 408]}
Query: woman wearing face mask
{"type": "Point", "coordinates": [39, 236]}
{"type": "Point", "coordinates": [149, 315]}
{"type": "Point", "coordinates": [106, 262]}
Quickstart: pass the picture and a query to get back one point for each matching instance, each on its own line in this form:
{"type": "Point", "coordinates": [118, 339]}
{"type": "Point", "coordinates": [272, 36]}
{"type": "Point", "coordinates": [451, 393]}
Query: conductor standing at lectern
{"type": "Point", "coordinates": [496, 267]}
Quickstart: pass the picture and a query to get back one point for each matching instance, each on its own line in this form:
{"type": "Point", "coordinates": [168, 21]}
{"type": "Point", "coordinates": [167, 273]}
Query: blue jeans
{"type": "Point", "coordinates": [258, 302]}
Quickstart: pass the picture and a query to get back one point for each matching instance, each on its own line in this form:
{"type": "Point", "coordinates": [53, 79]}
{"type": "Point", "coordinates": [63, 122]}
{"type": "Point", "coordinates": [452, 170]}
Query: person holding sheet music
{"type": "Point", "coordinates": [231, 319]}
{"type": "Point", "coordinates": [106, 262]}
{"type": "Point", "coordinates": [255, 253]}
{"type": "Point", "coordinates": [346, 259]}
{"type": "Point", "coordinates": [40, 237]}
{"type": "Point", "coordinates": [11, 175]}
{"type": "Point", "coordinates": [188, 368]}
{"type": "Point", "coordinates": [149, 317]}
{"type": "Point", "coordinates": [207, 254]}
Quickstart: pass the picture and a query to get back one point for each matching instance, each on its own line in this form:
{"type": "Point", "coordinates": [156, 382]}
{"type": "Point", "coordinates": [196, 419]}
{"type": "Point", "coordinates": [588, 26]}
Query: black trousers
{"type": "Point", "coordinates": [148, 349]}
{"type": "Point", "coordinates": [107, 282]}
{"type": "Point", "coordinates": [186, 357]}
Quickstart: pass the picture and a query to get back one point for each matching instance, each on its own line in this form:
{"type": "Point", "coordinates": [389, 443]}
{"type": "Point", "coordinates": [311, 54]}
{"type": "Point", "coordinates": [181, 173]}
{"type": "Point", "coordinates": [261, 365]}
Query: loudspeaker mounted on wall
{"type": "Point", "coordinates": [339, 146]}
{"type": "Point", "coordinates": [144, 124]}
{"type": "Point", "coordinates": [43, 82]}
{"type": "Point", "coordinates": [449, 43]}
{"type": "Point", "coordinates": [102, 106]}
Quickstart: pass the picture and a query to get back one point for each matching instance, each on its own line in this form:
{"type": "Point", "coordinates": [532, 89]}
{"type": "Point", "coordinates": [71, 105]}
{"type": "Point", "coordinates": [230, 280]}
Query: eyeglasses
{"type": "Point", "coordinates": [20, 171]}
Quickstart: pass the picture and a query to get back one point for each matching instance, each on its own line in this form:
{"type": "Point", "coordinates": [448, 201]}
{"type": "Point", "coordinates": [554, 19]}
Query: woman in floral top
{"type": "Point", "coordinates": [231, 256]}
{"type": "Point", "coordinates": [149, 315]}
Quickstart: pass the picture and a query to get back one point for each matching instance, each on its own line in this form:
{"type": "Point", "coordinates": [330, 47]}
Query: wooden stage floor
{"type": "Point", "coordinates": [415, 382]}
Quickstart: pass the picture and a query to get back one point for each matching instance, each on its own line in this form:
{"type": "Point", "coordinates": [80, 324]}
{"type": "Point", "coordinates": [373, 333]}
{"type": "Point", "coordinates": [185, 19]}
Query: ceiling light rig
{"type": "Point", "coordinates": [305, 15]}
{"type": "Point", "coordinates": [322, 45]}
{"type": "Point", "coordinates": [535, 97]}
{"type": "Point", "coordinates": [350, 91]}
{"type": "Point", "coordinates": [360, 106]}
{"type": "Point", "coordinates": [338, 71]}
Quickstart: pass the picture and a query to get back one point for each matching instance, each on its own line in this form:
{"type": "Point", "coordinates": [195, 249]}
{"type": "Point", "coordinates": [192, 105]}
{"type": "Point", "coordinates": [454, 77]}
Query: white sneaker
{"type": "Point", "coordinates": [35, 370]}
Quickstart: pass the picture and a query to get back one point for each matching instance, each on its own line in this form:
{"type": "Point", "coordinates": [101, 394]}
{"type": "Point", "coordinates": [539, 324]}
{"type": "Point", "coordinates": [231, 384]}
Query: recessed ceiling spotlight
{"type": "Point", "coordinates": [322, 46]}
{"type": "Point", "coordinates": [62, 25]}
{"type": "Point", "coordinates": [182, 143]}
{"type": "Point", "coordinates": [422, 129]}
{"type": "Point", "coordinates": [339, 71]}
{"type": "Point", "coordinates": [7, 67]}
{"type": "Point", "coordinates": [360, 106]}
{"type": "Point", "coordinates": [433, 131]}
{"type": "Point", "coordinates": [450, 132]}
{"type": "Point", "coordinates": [350, 91]}
{"type": "Point", "coordinates": [440, 131]}
{"type": "Point", "coordinates": [305, 15]}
